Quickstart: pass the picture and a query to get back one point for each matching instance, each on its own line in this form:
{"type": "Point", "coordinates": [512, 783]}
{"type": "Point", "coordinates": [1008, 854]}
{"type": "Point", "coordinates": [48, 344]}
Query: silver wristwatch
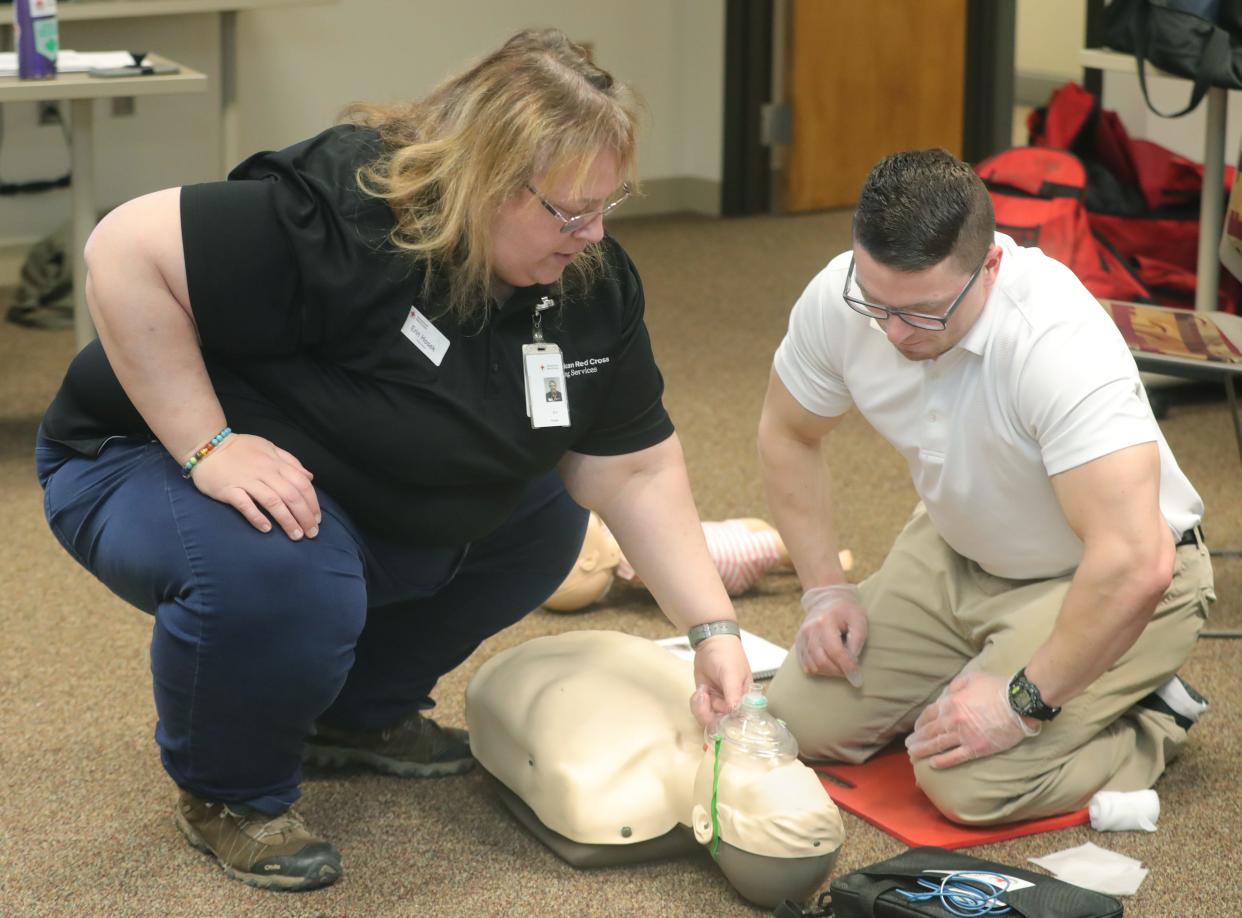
{"type": "Point", "coordinates": [700, 633]}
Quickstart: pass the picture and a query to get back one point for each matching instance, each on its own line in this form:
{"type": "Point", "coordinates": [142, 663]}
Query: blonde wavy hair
{"type": "Point", "coordinates": [536, 106]}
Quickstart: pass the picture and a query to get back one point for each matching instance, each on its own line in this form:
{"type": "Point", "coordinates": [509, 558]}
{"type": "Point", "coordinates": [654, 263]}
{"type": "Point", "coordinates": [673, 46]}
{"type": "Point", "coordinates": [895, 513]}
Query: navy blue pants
{"type": "Point", "coordinates": [256, 637]}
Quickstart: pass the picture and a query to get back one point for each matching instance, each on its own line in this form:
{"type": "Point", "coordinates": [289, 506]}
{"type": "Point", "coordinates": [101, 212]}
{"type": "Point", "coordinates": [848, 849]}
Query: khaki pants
{"type": "Point", "coordinates": [933, 614]}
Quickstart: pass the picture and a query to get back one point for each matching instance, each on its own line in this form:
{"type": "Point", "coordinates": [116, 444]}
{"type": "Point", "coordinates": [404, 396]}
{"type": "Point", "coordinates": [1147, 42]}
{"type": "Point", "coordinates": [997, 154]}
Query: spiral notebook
{"type": "Point", "coordinates": [765, 657]}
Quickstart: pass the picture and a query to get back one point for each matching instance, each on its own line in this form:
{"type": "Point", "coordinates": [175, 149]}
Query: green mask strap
{"type": "Point", "coordinates": [715, 791]}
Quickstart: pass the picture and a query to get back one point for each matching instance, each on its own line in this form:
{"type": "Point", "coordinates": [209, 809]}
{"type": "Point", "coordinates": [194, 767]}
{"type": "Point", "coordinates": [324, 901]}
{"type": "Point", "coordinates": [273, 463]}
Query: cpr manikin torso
{"type": "Point", "coordinates": [592, 734]}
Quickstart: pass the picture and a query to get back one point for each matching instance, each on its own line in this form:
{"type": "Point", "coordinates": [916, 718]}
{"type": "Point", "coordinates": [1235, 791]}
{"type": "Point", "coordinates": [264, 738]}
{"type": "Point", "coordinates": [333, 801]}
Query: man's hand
{"type": "Point", "coordinates": [260, 480]}
{"type": "Point", "coordinates": [833, 633]}
{"type": "Point", "coordinates": [722, 674]}
{"type": "Point", "coordinates": [971, 719]}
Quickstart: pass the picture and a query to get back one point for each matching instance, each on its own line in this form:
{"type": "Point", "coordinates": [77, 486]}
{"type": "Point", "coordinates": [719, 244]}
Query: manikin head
{"type": "Point", "coordinates": [592, 573]}
{"type": "Point", "coordinates": [779, 831]}
{"type": "Point", "coordinates": [924, 250]}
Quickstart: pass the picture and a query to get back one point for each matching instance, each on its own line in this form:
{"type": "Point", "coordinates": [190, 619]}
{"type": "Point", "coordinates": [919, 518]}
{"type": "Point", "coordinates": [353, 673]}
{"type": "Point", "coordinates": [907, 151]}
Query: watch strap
{"type": "Point", "coordinates": [700, 633]}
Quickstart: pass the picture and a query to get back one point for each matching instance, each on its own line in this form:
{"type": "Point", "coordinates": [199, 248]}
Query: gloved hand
{"type": "Point", "coordinates": [971, 719]}
{"type": "Point", "coordinates": [722, 674]}
{"type": "Point", "coordinates": [832, 633]}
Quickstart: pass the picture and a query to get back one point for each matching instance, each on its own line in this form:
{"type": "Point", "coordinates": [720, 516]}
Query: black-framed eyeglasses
{"type": "Point", "coordinates": [571, 224]}
{"type": "Point", "coordinates": [913, 319]}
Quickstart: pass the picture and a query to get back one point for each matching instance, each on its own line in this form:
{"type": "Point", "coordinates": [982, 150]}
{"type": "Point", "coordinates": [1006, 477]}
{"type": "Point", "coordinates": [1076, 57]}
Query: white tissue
{"type": "Point", "coordinates": [1122, 811]}
{"type": "Point", "coordinates": [1093, 867]}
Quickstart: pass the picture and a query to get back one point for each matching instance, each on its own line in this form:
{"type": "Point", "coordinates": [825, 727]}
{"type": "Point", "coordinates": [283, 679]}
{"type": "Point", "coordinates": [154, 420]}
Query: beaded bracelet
{"type": "Point", "coordinates": [201, 453]}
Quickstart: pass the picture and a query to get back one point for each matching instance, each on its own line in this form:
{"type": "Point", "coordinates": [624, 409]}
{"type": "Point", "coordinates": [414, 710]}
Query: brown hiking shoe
{"type": "Point", "coordinates": [271, 852]}
{"type": "Point", "coordinates": [417, 747]}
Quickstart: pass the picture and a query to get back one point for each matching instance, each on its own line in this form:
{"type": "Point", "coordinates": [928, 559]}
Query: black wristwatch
{"type": "Point", "coordinates": [1024, 698]}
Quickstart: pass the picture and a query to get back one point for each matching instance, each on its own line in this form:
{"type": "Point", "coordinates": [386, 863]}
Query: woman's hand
{"type": "Point", "coordinates": [260, 480]}
{"type": "Point", "coordinates": [722, 674]}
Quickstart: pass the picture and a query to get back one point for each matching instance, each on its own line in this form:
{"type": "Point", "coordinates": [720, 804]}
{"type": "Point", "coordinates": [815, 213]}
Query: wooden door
{"type": "Point", "coordinates": [866, 78]}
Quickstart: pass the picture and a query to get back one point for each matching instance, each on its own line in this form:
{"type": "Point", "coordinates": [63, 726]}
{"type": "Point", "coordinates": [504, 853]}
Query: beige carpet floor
{"type": "Point", "coordinates": [85, 809]}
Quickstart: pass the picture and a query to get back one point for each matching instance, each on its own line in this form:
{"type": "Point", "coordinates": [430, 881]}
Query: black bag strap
{"type": "Point", "coordinates": [1201, 83]}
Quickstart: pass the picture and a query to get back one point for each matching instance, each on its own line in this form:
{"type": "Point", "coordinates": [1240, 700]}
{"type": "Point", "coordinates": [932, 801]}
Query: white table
{"type": "Point", "coordinates": [1212, 199]}
{"type": "Point", "coordinates": [81, 91]}
{"type": "Point", "coordinates": [85, 10]}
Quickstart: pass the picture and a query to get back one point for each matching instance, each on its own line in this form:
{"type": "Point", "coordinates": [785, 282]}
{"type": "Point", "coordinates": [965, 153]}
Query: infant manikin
{"type": "Point", "coordinates": [743, 550]}
{"type": "Point", "coordinates": [591, 739]}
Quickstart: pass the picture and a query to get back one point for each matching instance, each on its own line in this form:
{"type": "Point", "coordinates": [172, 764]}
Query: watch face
{"type": "Point", "coordinates": [1021, 698]}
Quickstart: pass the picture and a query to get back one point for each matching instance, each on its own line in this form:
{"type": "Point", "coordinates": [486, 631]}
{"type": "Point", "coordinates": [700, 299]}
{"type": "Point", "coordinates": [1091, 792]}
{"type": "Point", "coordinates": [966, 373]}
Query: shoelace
{"type": "Point", "coordinates": [286, 823]}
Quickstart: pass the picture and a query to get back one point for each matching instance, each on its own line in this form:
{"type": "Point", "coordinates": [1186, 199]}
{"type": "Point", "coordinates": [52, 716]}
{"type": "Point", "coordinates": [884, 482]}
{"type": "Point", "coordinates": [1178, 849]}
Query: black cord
{"type": "Point", "coordinates": [35, 186]}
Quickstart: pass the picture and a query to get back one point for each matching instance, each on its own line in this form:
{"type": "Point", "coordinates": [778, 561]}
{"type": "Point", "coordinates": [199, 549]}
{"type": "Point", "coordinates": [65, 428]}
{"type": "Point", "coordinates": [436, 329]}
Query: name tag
{"type": "Point", "coordinates": [426, 337]}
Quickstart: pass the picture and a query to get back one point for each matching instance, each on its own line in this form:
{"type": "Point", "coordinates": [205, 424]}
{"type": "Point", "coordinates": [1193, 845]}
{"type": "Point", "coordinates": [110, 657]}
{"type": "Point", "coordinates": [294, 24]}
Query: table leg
{"type": "Point", "coordinates": [1237, 433]}
{"type": "Point", "coordinates": [81, 133]}
{"type": "Point", "coordinates": [1212, 202]}
{"type": "Point", "coordinates": [229, 128]}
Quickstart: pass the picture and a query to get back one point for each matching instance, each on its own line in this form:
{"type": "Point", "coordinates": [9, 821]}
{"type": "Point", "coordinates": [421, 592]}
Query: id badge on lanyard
{"type": "Point", "coordinates": [547, 401]}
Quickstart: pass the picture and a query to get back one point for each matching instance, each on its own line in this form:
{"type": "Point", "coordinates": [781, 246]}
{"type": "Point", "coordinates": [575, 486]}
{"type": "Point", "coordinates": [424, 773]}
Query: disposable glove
{"type": "Point", "coordinates": [971, 719]}
{"type": "Point", "coordinates": [832, 633]}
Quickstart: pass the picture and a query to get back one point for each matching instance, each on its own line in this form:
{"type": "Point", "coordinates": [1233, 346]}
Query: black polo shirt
{"type": "Point", "coordinates": [300, 301]}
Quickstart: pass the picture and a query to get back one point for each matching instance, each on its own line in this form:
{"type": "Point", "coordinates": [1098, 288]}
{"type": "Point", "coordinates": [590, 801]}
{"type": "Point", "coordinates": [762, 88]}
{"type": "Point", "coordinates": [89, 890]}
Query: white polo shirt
{"type": "Point", "coordinates": [1042, 383]}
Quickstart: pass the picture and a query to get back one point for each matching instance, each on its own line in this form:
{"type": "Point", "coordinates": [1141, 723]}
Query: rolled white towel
{"type": "Point", "coordinates": [1122, 811]}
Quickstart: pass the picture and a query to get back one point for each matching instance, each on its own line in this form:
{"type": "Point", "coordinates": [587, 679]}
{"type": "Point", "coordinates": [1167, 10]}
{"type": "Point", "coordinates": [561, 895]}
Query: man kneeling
{"type": "Point", "coordinates": [1030, 619]}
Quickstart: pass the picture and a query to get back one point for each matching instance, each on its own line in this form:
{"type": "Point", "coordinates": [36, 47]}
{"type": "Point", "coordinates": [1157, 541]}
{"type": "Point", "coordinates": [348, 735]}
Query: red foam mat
{"type": "Point", "coordinates": [882, 791]}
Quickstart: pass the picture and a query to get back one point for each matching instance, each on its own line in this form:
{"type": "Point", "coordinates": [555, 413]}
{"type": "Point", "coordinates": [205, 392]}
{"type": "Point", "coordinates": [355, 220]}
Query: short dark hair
{"type": "Point", "coordinates": [919, 207]}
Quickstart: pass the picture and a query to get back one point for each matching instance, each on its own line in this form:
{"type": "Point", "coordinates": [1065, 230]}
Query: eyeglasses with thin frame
{"type": "Point", "coordinates": [913, 319]}
{"type": "Point", "coordinates": [578, 221]}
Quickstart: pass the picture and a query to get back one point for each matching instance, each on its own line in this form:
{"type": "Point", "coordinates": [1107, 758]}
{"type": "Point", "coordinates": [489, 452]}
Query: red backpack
{"type": "Point", "coordinates": [1142, 200]}
{"type": "Point", "coordinates": [1038, 194]}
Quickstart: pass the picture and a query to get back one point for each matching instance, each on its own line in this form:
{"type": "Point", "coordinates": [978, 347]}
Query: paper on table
{"type": "Point", "coordinates": [1172, 332]}
{"type": "Point", "coordinates": [72, 61]}
{"type": "Point", "coordinates": [765, 657]}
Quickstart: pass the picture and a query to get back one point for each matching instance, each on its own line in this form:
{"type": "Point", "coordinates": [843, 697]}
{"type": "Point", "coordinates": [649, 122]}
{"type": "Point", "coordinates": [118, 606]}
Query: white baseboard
{"type": "Point", "coordinates": [678, 194]}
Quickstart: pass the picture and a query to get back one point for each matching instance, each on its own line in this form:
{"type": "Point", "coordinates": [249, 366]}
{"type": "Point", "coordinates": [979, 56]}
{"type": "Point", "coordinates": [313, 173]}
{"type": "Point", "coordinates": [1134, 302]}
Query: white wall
{"type": "Point", "coordinates": [298, 66]}
{"type": "Point", "coordinates": [313, 61]}
{"type": "Point", "coordinates": [699, 52]}
{"type": "Point", "coordinates": [1182, 135]}
{"type": "Point", "coordinates": [1047, 36]}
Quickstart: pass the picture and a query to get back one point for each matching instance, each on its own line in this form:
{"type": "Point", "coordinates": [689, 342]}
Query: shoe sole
{"type": "Point", "coordinates": [325, 876]}
{"type": "Point", "coordinates": [343, 757]}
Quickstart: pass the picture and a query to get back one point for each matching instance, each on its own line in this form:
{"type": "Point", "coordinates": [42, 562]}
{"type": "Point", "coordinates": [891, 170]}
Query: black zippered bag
{"type": "Point", "coordinates": [872, 891]}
